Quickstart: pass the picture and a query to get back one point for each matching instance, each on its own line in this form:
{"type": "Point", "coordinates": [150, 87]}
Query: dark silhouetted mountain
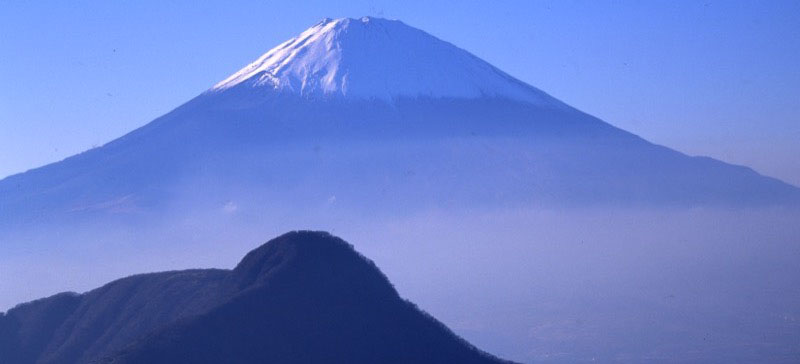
{"type": "Point", "coordinates": [304, 297]}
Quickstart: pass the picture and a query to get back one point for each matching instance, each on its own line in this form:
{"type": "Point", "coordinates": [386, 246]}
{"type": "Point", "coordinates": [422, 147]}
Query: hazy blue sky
{"type": "Point", "coordinates": [717, 78]}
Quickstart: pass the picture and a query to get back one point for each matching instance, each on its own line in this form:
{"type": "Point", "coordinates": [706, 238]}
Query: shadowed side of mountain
{"type": "Point", "coordinates": [304, 297]}
{"type": "Point", "coordinates": [27, 330]}
{"type": "Point", "coordinates": [307, 298]}
{"type": "Point", "coordinates": [72, 328]}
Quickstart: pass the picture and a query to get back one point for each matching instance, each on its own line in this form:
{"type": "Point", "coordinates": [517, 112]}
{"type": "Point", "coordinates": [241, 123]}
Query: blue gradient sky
{"type": "Point", "coordinates": [716, 78]}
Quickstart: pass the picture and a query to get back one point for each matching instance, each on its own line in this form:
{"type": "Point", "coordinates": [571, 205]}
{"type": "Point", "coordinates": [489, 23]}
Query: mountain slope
{"type": "Point", "coordinates": [374, 103]}
{"type": "Point", "coordinates": [71, 328]}
{"type": "Point", "coordinates": [302, 297]}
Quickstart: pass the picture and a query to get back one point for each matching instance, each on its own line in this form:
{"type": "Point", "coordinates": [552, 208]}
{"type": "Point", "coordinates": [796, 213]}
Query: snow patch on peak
{"type": "Point", "coordinates": [375, 58]}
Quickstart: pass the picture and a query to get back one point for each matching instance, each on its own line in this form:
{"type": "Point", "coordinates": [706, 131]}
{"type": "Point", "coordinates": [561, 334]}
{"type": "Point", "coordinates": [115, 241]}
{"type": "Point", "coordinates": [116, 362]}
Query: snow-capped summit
{"type": "Point", "coordinates": [374, 58]}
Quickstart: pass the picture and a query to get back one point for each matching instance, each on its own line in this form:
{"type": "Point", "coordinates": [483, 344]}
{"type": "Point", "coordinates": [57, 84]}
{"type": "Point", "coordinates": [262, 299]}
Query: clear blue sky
{"type": "Point", "coordinates": [717, 78]}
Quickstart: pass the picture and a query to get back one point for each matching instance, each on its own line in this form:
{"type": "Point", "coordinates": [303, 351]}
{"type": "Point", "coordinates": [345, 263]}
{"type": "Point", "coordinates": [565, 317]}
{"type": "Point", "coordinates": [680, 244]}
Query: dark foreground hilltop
{"type": "Point", "coordinates": [304, 297]}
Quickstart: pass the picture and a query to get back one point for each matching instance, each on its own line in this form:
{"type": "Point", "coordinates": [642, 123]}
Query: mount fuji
{"type": "Point", "coordinates": [372, 109]}
{"type": "Point", "coordinates": [372, 128]}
